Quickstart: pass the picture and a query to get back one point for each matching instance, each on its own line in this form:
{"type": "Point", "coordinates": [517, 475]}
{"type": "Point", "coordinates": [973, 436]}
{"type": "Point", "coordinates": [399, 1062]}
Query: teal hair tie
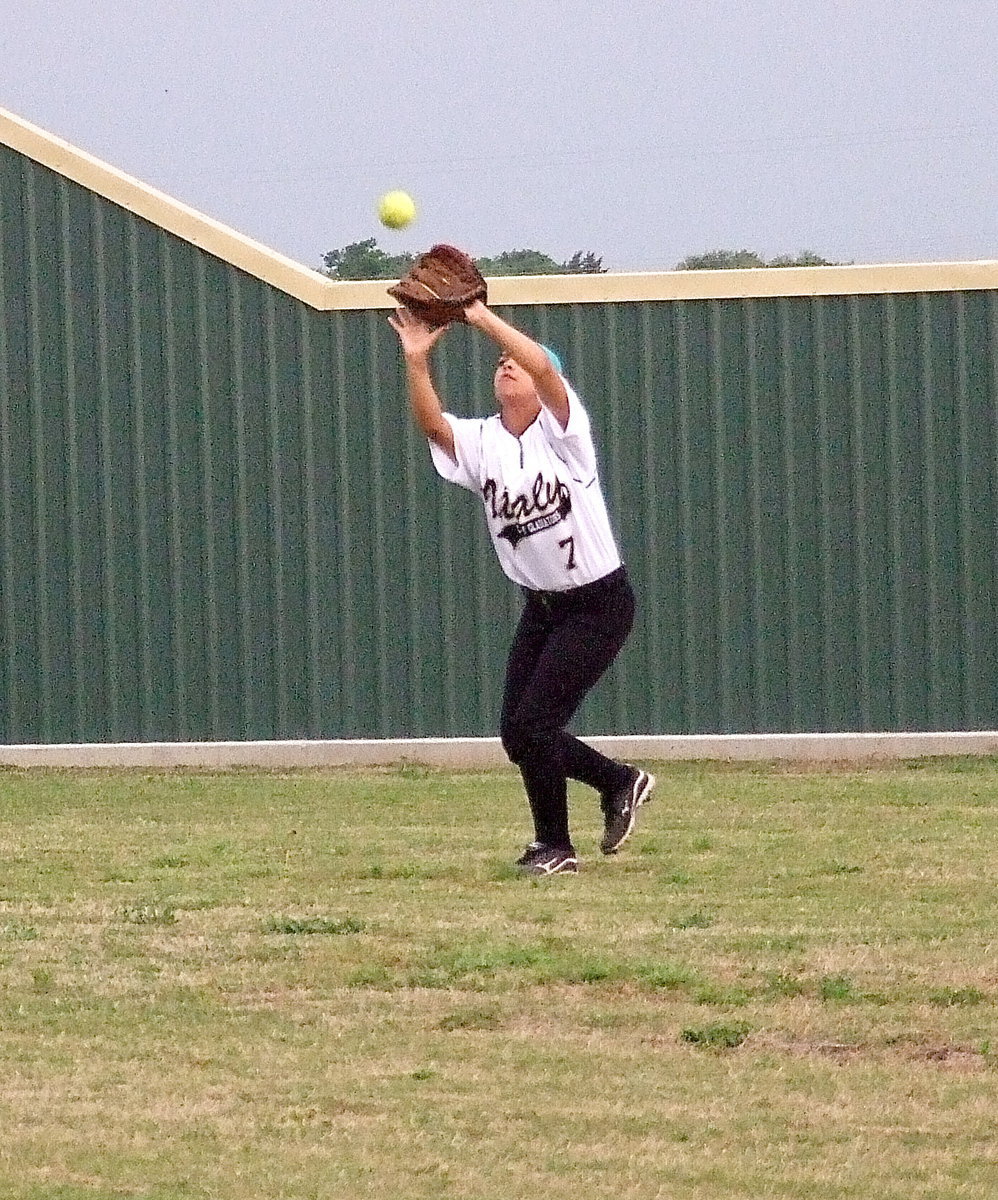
{"type": "Point", "coordinates": [555, 360]}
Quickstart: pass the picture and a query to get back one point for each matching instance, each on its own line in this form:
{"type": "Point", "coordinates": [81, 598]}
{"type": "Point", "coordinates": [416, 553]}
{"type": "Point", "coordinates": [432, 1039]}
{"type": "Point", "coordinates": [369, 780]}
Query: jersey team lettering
{"type": "Point", "coordinates": [542, 496]}
{"type": "Point", "coordinates": [516, 533]}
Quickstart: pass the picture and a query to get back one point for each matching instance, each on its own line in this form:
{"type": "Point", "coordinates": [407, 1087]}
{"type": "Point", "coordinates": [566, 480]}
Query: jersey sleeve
{"type": "Point", "coordinates": [466, 472]}
{"type": "Point", "coordinates": [573, 444]}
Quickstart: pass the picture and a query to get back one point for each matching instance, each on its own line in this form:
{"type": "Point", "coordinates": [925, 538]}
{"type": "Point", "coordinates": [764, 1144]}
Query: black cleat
{"type": "Point", "coordinates": [620, 809]}
{"type": "Point", "coordinates": [539, 859]}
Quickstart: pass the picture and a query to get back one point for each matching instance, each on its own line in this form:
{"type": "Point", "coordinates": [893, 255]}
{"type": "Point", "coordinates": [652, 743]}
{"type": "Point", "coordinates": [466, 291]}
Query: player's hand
{"type": "Point", "coordinates": [474, 311]}
{"type": "Point", "coordinates": [417, 338]}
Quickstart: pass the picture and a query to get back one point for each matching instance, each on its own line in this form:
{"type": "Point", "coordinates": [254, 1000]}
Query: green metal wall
{"type": "Point", "coordinates": [216, 521]}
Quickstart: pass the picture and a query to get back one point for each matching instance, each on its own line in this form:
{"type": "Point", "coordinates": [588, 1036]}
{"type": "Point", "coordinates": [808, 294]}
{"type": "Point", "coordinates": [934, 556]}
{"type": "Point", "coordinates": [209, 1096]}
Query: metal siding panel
{"type": "Point", "coordinates": [203, 493]}
{"type": "Point", "coordinates": [180, 530]}
{"type": "Point", "coordinates": [74, 364]}
{"type": "Point", "coordinates": [381, 461]}
{"type": "Point", "coordinates": [964, 571]}
{"type": "Point", "coordinates": [791, 519]}
{"type": "Point", "coordinates": [732, 395]}
{"type": "Point", "coordinates": [940, 513]}
{"type": "Point", "coordinates": [250, 574]}
{"type": "Point", "coordinates": [905, 651]}
{"type": "Point", "coordinates": [139, 479]}
{"type": "Point", "coordinates": [325, 641]}
{"type": "Point", "coordinates": [258, 532]}
{"type": "Point", "coordinates": [978, 349]}
{"type": "Point", "coordinates": [282, 370]}
{"type": "Point", "coordinates": [986, 397]}
{"type": "Point", "coordinates": [753, 546]}
{"type": "Point", "coordinates": [930, 467]}
{"type": "Point", "coordinates": [810, 470]}
{"type": "Point", "coordinates": [644, 514]}
{"type": "Point", "coordinates": [698, 613]}
{"type": "Point", "coordinates": [311, 633]}
{"type": "Point", "coordinates": [346, 574]}
{"type": "Point", "coordinates": [842, 672]}
{"type": "Point", "coordinates": [870, 487]}
{"type": "Point", "coordinates": [112, 604]}
{"type": "Point", "coordinates": [762, 541]}
{"type": "Point", "coordinates": [221, 484]}
{"type": "Point", "coordinates": [85, 481]}
{"type": "Point", "coordinates": [149, 481]}
{"type": "Point", "coordinates": [14, 440]}
{"type": "Point", "coordinates": [7, 544]}
{"type": "Point", "coordinates": [651, 632]}
{"type": "Point", "coordinates": [357, 699]}
{"type": "Point", "coordinates": [777, 597]}
{"type": "Point", "coordinates": [192, 566]}
{"type": "Point", "coordinates": [723, 425]}
{"type": "Point", "coordinates": [43, 496]}
{"type": "Point", "coordinates": [55, 396]}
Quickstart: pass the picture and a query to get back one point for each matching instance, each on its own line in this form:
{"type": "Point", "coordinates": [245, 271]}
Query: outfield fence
{"type": "Point", "coordinates": [217, 523]}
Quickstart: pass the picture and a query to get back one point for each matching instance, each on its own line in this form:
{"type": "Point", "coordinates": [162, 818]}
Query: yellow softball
{"type": "Point", "coordinates": [396, 210]}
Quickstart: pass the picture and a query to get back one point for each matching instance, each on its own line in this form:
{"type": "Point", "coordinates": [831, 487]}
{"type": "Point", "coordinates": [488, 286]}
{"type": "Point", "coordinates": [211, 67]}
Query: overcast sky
{"type": "Point", "coordinates": [865, 130]}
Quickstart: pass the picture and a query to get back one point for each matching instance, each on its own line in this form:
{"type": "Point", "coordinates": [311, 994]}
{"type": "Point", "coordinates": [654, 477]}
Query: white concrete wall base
{"type": "Point", "coordinates": [487, 752]}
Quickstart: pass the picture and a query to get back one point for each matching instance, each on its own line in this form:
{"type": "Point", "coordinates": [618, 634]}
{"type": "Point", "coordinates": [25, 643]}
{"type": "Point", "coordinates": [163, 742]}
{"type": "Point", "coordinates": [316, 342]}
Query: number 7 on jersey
{"type": "Point", "coordinates": [570, 543]}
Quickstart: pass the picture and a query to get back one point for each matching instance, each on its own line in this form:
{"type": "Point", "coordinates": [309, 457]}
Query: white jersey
{"type": "Point", "coordinates": [545, 511]}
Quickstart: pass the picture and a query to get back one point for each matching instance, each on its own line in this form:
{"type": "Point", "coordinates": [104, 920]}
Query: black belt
{"type": "Point", "coordinates": [582, 594]}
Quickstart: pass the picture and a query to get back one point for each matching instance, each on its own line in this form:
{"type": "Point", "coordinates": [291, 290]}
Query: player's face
{"type": "Point", "coordinates": [511, 381]}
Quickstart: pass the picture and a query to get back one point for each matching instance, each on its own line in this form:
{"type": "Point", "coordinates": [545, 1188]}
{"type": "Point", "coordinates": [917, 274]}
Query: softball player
{"type": "Point", "coordinates": [534, 466]}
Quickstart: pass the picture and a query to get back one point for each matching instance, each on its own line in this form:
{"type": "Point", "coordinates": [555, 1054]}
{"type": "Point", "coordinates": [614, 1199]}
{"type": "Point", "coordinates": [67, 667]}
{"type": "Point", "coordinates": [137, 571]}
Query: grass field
{"type": "Point", "coordinates": [262, 986]}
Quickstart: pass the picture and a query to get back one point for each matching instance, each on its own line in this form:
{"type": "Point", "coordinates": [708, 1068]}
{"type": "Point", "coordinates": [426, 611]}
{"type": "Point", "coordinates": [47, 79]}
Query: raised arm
{"type": "Point", "coordinates": [417, 341]}
{"type": "Point", "coordinates": [529, 354]}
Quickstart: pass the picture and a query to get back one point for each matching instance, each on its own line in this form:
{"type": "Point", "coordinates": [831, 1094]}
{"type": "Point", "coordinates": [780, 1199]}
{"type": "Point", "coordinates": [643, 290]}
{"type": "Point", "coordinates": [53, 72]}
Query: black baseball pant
{"type": "Point", "coordinates": [564, 643]}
